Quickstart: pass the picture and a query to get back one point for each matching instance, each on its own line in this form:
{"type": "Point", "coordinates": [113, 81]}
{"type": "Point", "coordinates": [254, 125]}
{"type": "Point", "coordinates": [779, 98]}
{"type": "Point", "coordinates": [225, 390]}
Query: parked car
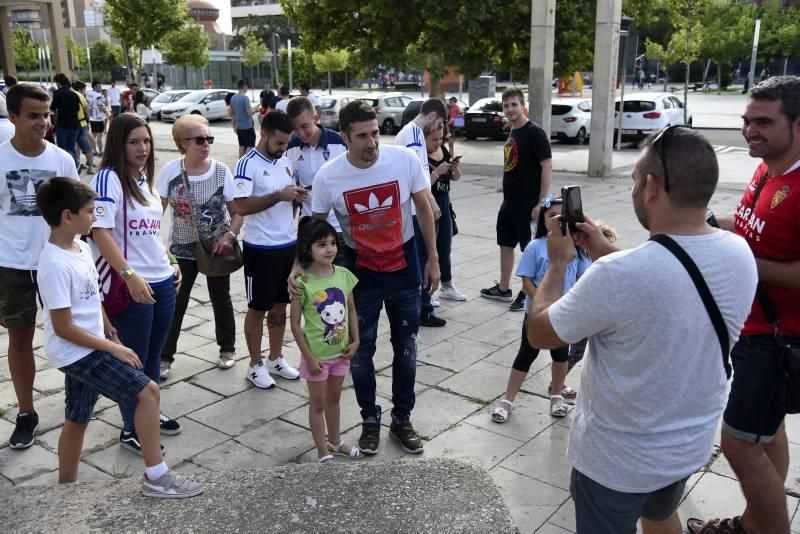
{"type": "Point", "coordinates": [165, 98]}
{"type": "Point", "coordinates": [645, 113]}
{"type": "Point", "coordinates": [413, 107]}
{"type": "Point", "coordinates": [210, 103]}
{"type": "Point", "coordinates": [329, 106]}
{"type": "Point", "coordinates": [149, 94]}
{"type": "Point", "coordinates": [389, 107]}
{"type": "Point", "coordinates": [485, 118]}
{"type": "Point", "coordinates": [571, 119]}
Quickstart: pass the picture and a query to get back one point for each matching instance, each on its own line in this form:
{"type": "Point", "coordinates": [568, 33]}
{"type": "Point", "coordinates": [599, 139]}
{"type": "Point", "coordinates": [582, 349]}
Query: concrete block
{"type": "Point", "coordinates": [471, 444]}
{"type": "Point", "coordinates": [531, 502]}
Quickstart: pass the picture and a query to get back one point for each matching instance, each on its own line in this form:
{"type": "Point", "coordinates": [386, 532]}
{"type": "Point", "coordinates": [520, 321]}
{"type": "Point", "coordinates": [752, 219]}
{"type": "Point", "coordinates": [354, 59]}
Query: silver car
{"type": "Point", "coordinates": [329, 106]}
{"type": "Point", "coordinates": [165, 98]}
{"type": "Point", "coordinates": [389, 107]}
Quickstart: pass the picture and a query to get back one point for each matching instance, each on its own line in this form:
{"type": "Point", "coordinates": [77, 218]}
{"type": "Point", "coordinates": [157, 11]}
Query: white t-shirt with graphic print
{"type": "Point", "coordinates": [142, 225]}
{"type": "Point", "coordinates": [23, 232]}
{"type": "Point", "coordinates": [68, 279]}
{"type": "Point", "coordinates": [256, 176]}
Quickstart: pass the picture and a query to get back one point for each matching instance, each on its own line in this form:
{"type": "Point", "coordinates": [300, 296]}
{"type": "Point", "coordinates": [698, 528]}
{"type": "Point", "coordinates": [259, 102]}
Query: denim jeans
{"type": "Point", "coordinates": [66, 139]}
{"type": "Point", "coordinates": [219, 291]}
{"type": "Point", "coordinates": [422, 256]}
{"type": "Point", "coordinates": [143, 328]}
{"type": "Point", "coordinates": [444, 236]}
{"type": "Point", "coordinates": [402, 307]}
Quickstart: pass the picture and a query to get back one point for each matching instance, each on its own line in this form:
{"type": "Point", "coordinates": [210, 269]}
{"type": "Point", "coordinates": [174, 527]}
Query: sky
{"type": "Point", "coordinates": [224, 19]}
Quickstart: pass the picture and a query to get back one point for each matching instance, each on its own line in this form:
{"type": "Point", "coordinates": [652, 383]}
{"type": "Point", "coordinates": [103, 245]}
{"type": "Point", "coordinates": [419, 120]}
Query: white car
{"type": "Point", "coordinates": [646, 113]}
{"type": "Point", "coordinates": [165, 98]}
{"type": "Point", "coordinates": [571, 119]}
{"type": "Point", "coordinates": [210, 103]}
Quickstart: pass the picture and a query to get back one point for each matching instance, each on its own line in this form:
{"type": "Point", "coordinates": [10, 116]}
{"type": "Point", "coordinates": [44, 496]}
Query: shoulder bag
{"type": "Point", "coordinates": [208, 263]}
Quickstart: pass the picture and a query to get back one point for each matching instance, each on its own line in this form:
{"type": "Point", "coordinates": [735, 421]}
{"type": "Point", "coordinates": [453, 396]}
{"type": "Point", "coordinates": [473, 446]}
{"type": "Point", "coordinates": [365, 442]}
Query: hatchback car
{"type": "Point", "coordinates": [210, 103]}
{"type": "Point", "coordinates": [413, 107]}
{"type": "Point", "coordinates": [165, 98]}
{"type": "Point", "coordinates": [389, 107]}
{"type": "Point", "coordinates": [329, 108]}
{"type": "Point", "coordinates": [571, 119]}
{"type": "Point", "coordinates": [485, 118]}
{"type": "Point", "coordinates": [646, 113]}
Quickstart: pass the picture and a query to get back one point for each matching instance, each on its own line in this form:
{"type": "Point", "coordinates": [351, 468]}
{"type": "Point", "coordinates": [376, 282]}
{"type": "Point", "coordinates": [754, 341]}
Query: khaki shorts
{"type": "Point", "coordinates": [17, 298]}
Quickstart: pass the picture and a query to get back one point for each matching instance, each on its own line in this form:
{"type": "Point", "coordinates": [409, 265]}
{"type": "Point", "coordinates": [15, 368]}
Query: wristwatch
{"type": "Point", "coordinates": [126, 273]}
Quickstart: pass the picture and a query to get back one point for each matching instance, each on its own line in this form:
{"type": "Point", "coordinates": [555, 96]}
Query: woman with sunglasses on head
{"type": "Point", "coordinates": [210, 195]}
{"type": "Point", "coordinates": [127, 233]}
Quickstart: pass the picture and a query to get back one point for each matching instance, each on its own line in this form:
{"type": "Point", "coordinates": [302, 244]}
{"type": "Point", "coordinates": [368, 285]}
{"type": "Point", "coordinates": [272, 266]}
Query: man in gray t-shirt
{"type": "Point", "coordinates": [654, 381]}
{"type": "Point", "coordinates": [243, 118]}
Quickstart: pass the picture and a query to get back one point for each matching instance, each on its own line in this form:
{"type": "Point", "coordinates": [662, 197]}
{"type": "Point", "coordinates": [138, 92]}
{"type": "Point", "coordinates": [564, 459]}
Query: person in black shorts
{"type": "Point", "coordinates": [527, 171]}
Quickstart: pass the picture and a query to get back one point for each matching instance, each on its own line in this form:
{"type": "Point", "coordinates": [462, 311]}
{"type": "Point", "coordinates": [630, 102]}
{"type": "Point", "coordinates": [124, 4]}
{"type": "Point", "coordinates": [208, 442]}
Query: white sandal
{"type": "Point", "coordinates": [325, 459]}
{"type": "Point", "coordinates": [558, 408]}
{"type": "Point", "coordinates": [500, 414]}
{"type": "Point", "coordinates": [354, 453]}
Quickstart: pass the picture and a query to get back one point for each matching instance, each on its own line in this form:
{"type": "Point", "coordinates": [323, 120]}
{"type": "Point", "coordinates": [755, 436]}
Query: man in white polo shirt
{"type": "Point", "coordinates": [264, 193]}
{"type": "Point", "coordinates": [312, 146]}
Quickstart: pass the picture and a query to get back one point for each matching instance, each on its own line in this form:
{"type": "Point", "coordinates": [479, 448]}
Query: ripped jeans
{"type": "Point", "coordinates": [402, 307]}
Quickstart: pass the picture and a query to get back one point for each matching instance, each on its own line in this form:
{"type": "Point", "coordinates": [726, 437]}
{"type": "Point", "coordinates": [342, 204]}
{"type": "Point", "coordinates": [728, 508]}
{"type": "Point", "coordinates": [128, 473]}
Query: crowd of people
{"type": "Point", "coordinates": [376, 224]}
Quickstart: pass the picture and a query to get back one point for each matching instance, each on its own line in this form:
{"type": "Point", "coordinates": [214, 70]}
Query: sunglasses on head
{"type": "Point", "coordinates": [660, 144]}
{"type": "Point", "coordinates": [200, 140]}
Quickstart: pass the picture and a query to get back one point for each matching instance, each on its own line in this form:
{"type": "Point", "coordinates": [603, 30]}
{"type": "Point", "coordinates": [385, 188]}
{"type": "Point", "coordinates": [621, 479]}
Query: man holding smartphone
{"type": "Point", "coordinates": [527, 172]}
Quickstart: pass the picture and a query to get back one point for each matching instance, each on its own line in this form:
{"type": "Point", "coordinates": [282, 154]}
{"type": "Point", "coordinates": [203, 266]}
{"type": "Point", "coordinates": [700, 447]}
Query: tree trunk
{"type": "Point", "coordinates": [128, 60]}
{"type": "Point", "coordinates": [719, 78]}
{"type": "Point", "coordinates": [186, 75]}
{"type": "Point", "coordinates": [435, 81]}
{"type": "Point", "coordinates": [785, 64]}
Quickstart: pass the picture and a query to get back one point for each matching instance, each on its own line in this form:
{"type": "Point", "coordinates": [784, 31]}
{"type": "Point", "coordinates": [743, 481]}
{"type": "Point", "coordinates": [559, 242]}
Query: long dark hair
{"type": "Point", "coordinates": [309, 231]}
{"type": "Point", "coordinates": [114, 155]}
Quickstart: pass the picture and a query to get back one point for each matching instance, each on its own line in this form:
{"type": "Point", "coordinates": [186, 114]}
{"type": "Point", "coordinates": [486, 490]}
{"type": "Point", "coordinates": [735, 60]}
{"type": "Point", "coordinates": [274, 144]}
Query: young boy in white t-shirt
{"type": "Point", "coordinates": [81, 342]}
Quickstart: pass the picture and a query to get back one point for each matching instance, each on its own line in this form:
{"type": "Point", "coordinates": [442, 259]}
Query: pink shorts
{"type": "Point", "coordinates": [335, 367]}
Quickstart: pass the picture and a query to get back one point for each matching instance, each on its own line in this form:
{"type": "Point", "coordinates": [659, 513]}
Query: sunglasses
{"type": "Point", "coordinates": [200, 140]}
{"type": "Point", "coordinates": [660, 144]}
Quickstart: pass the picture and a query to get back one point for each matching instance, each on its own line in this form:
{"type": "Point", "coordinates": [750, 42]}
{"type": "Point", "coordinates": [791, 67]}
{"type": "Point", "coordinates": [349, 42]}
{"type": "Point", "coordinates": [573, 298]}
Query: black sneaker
{"type": "Point", "coordinates": [429, 319]}
{"type": "Point", "coordinates": [519, 302]}
{"type": "Point", "coordinates": [169, 427]}
{"type": "Point", "coordinates": [27, 424]}
{"type": "Point", "coordinates": [370, 437]}
{"type": "Point", "coordinates": [130, 441]}
{"type": "Point", "coordinates": [407, 436]}
{"type": "Point", "coordinates": [496, 293]}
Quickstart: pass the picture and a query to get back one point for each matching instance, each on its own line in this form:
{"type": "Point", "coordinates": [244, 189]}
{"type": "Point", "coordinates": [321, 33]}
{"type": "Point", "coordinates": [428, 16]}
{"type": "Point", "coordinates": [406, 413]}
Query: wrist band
{"type": "Point", "coordinates": [173, 261]}
{"type": "Point", "coordinates": [232, 235]}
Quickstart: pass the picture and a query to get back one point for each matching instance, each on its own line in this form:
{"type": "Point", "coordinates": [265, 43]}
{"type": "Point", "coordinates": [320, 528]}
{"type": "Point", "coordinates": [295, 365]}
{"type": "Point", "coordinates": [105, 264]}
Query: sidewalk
{"type": "Point", "coordinates": [462, 369]}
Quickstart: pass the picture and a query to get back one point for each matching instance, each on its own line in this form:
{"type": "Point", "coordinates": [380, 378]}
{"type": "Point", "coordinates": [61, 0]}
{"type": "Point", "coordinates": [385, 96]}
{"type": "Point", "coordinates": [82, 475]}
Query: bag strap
{"type": "Point", "coordinates": [189, 193]}
{"type": "Point", "coordinates": [705, 294]}
{"type": "Point", "coordinates": [770, 313]}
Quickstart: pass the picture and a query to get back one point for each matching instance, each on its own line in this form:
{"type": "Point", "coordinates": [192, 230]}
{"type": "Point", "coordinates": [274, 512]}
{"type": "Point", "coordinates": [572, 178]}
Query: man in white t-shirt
{"type": "Point", "coordinates": [371, 191]}
{"type": "Point", "coordinates": [26, 161]}
{"type": "Point", "coordinates": [412, 135]}
{"type": "Point", "coordinates": [312, 146]}
{"type": "Point", "coordinates": [283, 99]}
{"type": "Point", "coordinates": [264, 193]}
{"type": "Point", "coordinates": [115, 99]}
{"type": "Point", "coordinates": [6, 127]}
{"type": "Point", "coordinates": [305, 91]}
{"type": "Point", "coordinates": [654, 379]}
{"type": "Point", "coordinates": [97, 116]}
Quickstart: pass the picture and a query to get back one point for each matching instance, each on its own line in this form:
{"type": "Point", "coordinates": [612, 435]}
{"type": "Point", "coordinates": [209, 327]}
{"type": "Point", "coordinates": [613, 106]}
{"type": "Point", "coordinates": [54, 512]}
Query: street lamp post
{"type": "Point", "coordinates": [624, 30]}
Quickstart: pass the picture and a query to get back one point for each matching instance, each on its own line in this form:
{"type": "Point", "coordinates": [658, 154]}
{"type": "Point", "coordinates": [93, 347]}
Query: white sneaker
{"type": "Point", "coordinates": [435, 301]}
{"type": "Point", "coordinates": [259, 376]}
{"type": "Point", "coordinates": [282, 367]}
{"type": "Point", "coordinates": [450, 292]}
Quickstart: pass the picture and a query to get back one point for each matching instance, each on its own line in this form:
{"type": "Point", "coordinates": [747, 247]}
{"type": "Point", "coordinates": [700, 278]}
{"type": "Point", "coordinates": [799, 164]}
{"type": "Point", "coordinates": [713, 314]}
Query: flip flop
{"type": "Point", "coordinates": [325, 459]}
{"type": "Point", "coordinates": [354, 453]}
{"type": "Point", "coordinates": [500, 414]}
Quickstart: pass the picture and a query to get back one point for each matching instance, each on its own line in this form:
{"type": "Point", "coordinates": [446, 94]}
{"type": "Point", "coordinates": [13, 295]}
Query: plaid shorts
{"type": "Point", "coordinates": [99, 373]}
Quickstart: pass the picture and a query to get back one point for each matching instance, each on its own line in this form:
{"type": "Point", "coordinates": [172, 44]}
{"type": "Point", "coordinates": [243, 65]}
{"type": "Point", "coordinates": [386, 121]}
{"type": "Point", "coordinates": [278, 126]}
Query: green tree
{"type": "Point", "coordinates": [76, 52]}
{"type": "Point", "coordinates": [187, 46]}
{"type": "Point", "coordinates": [253, 50]}
{"type": "Point", "coordinates": [105, 56]}
{"type": "Point", "coordinates": [26, 56]}
{"type": "Point", "coordinates": [143, 23]}
{"type": "Point", "coordinates": [302, 66]}
{"type": "Point", "coordinates": [727, 29]}
{"type": "Point", "coordinates": [331, 60]}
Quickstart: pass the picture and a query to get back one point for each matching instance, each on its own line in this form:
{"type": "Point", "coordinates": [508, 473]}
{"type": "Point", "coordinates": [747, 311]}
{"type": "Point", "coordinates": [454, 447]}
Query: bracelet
{"type": "Point", "coordinates": [234, 236]}
{"type": "Point", "coordinates": [173, 261]}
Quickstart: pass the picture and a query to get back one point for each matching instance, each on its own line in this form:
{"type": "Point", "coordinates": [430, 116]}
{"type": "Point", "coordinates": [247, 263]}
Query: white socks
{"type": "Point", "coordinates": [156, 472]}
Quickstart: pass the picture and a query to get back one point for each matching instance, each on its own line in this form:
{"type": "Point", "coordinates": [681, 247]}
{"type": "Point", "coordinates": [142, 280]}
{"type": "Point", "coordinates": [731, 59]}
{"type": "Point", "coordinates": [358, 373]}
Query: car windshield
{"type": "Point", "coordinates": [486, 105]}
{"type": "Point", "coordinates": [561, 109]}
{"type": "Point", "coordinates": [162, 98]}
{"type": "Point", "coordinates": [193, 97]}
{"type": "Point", "coordinates": [327, 103]}
{"type": "Point", "coordinates": [637, 106]}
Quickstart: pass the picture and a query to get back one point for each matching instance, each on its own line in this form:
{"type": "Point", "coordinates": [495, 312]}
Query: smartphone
{"type": "Point", "coordinates": [571, 208]}
{"type": "Point", "coordinates": [456, 159]}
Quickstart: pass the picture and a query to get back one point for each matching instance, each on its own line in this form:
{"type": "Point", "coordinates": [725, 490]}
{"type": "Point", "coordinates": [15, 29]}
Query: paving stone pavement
{"type": "Point", "coordinates": [462, 369]}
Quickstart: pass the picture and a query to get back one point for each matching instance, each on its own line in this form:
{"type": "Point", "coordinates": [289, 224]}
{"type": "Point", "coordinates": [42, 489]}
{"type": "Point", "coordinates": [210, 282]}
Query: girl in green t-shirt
{"type": "Point", "coordinates": [328, 338]}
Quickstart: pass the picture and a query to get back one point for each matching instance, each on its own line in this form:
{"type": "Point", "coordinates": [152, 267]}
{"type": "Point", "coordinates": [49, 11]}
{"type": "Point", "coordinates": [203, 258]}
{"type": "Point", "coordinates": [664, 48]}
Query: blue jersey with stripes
{"type": "Point", "coordinates": [256, 176]}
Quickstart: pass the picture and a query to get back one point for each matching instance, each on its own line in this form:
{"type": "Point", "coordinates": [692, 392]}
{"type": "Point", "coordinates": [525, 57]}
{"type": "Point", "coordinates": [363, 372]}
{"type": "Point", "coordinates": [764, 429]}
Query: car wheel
{"type": "Point", "coordinates": [580, 138]}
{"type": "Point", "coordinates": [388, 127]}
{"type": "Point", "coordinates": [195, 112]}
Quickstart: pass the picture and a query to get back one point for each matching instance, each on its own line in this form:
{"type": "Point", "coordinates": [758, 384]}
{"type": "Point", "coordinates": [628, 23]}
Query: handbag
{"type": "Point", "coordinates": [113, 289]}
{"type": "Point", "coordinates": [705, 295]}
{"type": "Point", "coordinates": [453, 218]}
{"type": "Point", "coordinates": [208, 263]}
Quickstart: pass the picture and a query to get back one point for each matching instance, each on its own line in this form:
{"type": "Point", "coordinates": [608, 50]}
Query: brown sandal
{"type": "Point", "coordinates": [731, 525]}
